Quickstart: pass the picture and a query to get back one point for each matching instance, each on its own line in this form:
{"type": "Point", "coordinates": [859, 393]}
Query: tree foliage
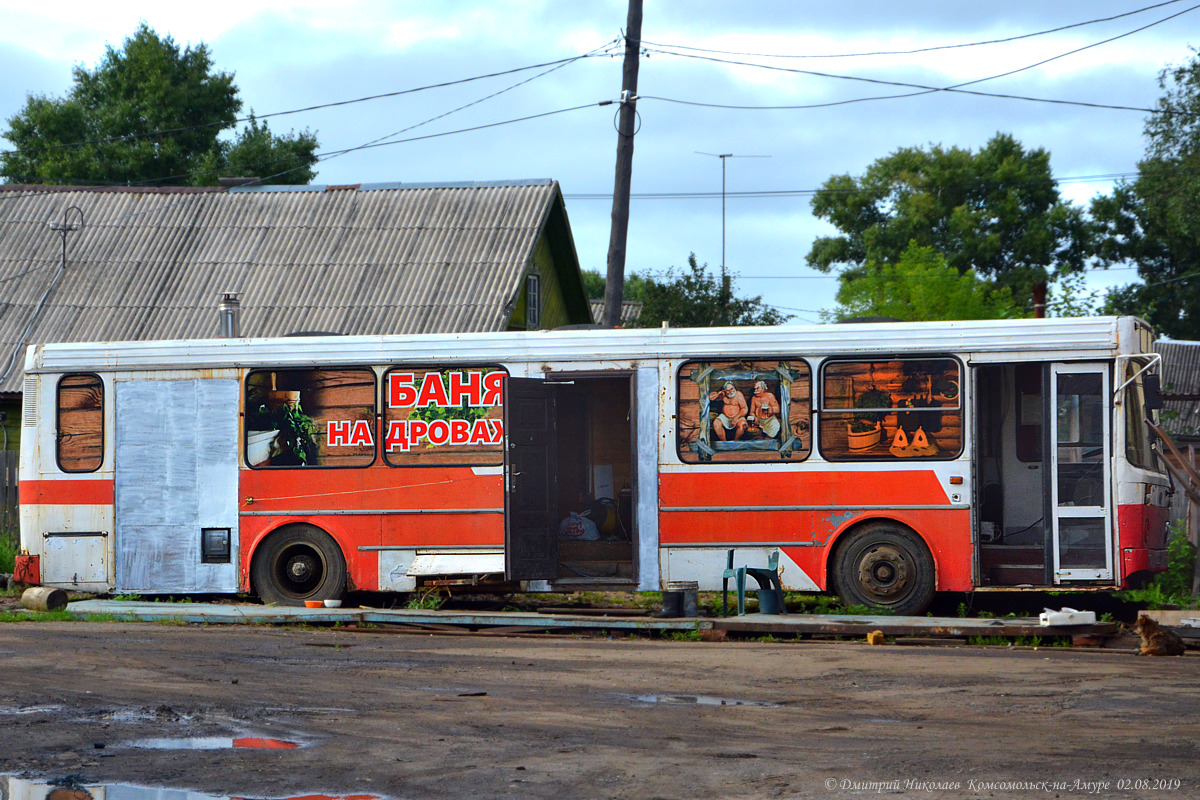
{"type": "Point", "coordinates": [696, 298]}
{"type": "Point", "coordinates": [922, 285]}
{"type": "Point", "coordinates": [1154, 222]}
{"type": "Point", "coordinates": [150, 112]}
{"type": "Point", "coordinates": [633, 289]}
{"type": "Point", "coordinates": [996, 211]}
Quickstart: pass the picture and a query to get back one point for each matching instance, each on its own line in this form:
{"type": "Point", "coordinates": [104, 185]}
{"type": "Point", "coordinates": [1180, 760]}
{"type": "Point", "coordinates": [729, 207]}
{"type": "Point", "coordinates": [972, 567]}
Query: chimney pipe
{"type": "Point", "coordinates": [230, 316]}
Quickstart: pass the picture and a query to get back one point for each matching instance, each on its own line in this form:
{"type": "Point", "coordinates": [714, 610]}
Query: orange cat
{"type": "Point", "coordinates": [1157, 640]}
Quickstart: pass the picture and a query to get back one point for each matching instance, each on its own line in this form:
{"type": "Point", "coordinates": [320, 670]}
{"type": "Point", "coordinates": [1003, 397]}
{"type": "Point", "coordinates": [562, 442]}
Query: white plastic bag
{"type": "Point", "coordinates": [576, 528]}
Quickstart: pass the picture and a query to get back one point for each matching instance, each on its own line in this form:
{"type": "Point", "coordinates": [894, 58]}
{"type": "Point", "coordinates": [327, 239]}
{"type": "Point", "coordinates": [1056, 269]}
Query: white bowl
{"type": "Point", "coordinates": [333, 603]}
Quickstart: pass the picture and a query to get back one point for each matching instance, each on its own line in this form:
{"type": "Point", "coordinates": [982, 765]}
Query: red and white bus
{"type": "Point", "coordinates": [882, 461]}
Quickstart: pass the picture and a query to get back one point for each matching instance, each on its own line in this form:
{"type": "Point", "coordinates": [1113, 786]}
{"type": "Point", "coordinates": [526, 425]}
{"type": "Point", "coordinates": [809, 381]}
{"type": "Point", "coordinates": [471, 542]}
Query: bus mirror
{"type": "Point", "coordinates": [1152, 387]}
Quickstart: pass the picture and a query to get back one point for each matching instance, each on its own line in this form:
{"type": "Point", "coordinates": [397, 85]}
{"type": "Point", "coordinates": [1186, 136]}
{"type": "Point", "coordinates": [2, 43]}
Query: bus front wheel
{"type": "Point", "coordinates": [298, 563]}
{"type": "Point", "coordinates": [884, 565]}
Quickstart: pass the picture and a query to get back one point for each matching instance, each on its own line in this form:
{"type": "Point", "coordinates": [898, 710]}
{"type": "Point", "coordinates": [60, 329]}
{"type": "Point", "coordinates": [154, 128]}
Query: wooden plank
{"type": "Point", "coordinates": [596, 612]}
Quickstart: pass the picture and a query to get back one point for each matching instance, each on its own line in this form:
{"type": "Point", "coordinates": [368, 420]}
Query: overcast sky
{"type": "Point", "coordinates": [289, 55]}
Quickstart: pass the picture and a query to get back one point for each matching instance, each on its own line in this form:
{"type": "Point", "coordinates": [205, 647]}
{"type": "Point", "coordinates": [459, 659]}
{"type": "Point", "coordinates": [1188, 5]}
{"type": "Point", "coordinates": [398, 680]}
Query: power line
{"type": "Point", "coordinates": [317, 107]}
{"type": "Point", "coordinates": [924, 89]}
{"type": "Point", "coordinates": [920, 49]}
{"type": "Point", "coordinates": [772, 193]}
{"type": "Point", "coordinates": [604, 47]}
{"type": "Point", "coordinates": [334, 153]}
{"type": "Point", "coordinates": [958, 88]}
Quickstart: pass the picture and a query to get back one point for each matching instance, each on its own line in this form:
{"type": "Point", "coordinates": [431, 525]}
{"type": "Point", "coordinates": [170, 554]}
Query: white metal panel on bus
{"type": "Point", "coordinates": [648, 420]}
{"type": "Point", "coordinates": [1061, 339]}
{"type": "Point", "coordinates": [176, 475]}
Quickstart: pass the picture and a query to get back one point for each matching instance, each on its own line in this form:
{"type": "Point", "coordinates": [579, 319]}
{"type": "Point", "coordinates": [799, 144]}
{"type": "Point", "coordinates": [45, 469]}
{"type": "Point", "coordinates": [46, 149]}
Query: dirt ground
{"type": "Point", "coordinates": [419, 716]}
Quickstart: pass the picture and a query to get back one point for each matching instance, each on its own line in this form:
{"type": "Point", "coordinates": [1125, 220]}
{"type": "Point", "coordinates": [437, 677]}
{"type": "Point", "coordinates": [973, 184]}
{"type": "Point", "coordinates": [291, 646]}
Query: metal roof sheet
{"type": "Point", "coordinates": [1180, 375]}
{"type": "Point", "coordinates": [150, 263]}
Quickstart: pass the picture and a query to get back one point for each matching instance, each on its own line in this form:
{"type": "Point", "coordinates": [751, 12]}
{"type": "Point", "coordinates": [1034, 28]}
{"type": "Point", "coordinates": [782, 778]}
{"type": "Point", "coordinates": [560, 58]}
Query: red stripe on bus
{"type": "Point", "coordinates": [93, 492]}
{"type": "Point", "coordinates": [721, 487]}
{"type": "Point", "coordinates": [369, 489]}
{"type": "Point", "coordinates": [947, 532]}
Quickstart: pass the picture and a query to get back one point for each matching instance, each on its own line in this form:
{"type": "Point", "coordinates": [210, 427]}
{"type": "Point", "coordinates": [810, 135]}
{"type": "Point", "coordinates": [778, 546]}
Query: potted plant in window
{"type": "Point", "coordinates": [865, 428]}
{"type": "Point", "coordinates": [278, 431]}
{"type": "Point", "coordinates": [296, 430]}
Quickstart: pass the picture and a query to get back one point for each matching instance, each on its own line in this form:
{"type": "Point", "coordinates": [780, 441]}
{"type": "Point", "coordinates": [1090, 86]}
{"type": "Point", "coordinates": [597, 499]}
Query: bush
{"type": "Point", "coordinates": [9, 546]}
{"type": "Point", "coordinates": [1173, 587]}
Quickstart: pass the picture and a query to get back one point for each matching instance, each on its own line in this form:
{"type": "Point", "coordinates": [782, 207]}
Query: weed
{"type": "Point", "coordinates": [9, 547]}
{"type": "Point", "coordinates": [1019, 641]}
{"type": "Point", "coordinates": [127, 598]}
{"type": "Point", "coordinates": [1173, 587]}
{"type": "Point", "coordinates": [648, 599]}
{"type": "Point", "coordinates": [430, 600]}
{"type": "Point", "coordinates": [684, 636]}
{"type": "Point", "coordinates": [867, 611]}
{"type": "Point", "coordinates": [768, 639]}
{"type": "Point", "coordinates": [54, 616]}
{"type": "Point", "coordinates": [990, 641]}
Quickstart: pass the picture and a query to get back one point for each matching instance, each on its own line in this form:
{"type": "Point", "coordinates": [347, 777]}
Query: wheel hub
{"type": "Point", "coordinates": [884, 572]}
{"type": "Point", "coordinates": [301, 568]}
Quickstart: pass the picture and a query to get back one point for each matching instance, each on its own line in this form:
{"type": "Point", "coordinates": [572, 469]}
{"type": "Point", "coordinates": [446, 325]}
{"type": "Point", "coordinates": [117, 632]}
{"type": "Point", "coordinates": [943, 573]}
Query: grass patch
{"type": "Point", "coordinates": [1020, 641]}
{"type": "Point", "coordinates": [54, 616]}
{"type": "Point", "coordinates": [1172, 588]}
{"type": "Point", "coordinates": [684, 636]}
{"type": "Point", "coordinates": [10, 545]}
{"type": "Point", "coordinates": [431, 600]}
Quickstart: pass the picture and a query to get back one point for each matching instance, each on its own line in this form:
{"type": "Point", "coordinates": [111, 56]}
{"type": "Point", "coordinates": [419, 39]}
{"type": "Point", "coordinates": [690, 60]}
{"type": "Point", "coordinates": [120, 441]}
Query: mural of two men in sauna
{"type": "Point", "coordinates": [753, 410]}
{"type": "Point", "coordinates": [761, 410]}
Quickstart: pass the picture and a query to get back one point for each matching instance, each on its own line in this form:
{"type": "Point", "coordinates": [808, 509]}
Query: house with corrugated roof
{"type": "Point", "coordinates": [148, 263]}
{"type": "Point", "coordinates": [1180, 416]}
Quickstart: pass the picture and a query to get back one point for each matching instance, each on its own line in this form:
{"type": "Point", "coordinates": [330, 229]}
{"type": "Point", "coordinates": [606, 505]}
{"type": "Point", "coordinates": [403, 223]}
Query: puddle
{"type": "Point", "coordinates": [700, 700]}
{"type": "Point", "coordinates": [21, 789]}
{"type": "Point", "coordinates": [215, 743]}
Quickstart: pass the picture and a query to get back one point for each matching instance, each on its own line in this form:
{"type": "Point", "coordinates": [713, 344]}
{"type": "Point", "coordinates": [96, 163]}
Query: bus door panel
{"type": "Point", "coordinates": [1080, 480]}
{"type": "Point", "coordinates": [530, 484]}
{"type": "Point", "coordinates": [175, 495]}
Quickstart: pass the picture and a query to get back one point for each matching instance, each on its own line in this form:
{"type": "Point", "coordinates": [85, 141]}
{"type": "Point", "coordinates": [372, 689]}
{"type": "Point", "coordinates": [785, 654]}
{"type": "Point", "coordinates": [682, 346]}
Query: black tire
{"type": "Point", "coordinates": [885, 565]}
{"type": "Point", "coordinates": [298, 563]}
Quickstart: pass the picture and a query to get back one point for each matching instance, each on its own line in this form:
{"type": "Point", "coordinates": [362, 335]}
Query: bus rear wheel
{"type": "Point", "coordinates": [298, 563]}
{"type": "Point", "coordinates": [884, 565]}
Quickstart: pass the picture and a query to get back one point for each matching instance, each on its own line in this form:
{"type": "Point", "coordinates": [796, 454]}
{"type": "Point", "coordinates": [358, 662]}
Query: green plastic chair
{"type": "Point", "coordinates": [768, 580]}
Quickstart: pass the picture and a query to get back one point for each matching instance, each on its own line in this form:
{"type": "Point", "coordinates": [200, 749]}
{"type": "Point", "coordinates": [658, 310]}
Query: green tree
{"type": "Point", "coordinates": [921, 285]}
{"type": "Point", "coordinates": [634, 288]}
{"type": "Point", "coordinates": [695, 298]}
{"type": "Point", "coordinates": [148, 112]}
{"type": "Point", "coordinates": [1154, 222]}
{"type": "Point", "coordinates": [258, 152]}
{"type": "Point", "coordinates": [996, 211]}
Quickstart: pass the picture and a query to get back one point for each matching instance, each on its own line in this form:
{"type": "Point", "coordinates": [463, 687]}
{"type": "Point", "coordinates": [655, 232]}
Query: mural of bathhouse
{"type": "Point", "coordinates": [745, 411]}
{"type": "Point", "coordinates": [887, 410]}
{"type": "Point", "coordinates": [310, 417]}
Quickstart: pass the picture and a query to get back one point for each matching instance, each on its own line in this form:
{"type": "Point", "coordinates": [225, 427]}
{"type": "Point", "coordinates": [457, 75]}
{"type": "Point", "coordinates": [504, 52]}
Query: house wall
{"type": "Point", "coordinates": [554, 306]}
{"type": "Point", "coordinates": [11, 424]}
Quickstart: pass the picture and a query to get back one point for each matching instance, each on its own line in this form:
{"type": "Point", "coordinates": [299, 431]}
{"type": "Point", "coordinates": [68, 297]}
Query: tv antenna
{"type": "Point", "coordinates": [723, 156]}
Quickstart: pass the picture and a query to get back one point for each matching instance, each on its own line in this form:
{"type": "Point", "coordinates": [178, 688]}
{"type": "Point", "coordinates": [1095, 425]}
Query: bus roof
{"type": "Point", "coordinates": [1074, 338]}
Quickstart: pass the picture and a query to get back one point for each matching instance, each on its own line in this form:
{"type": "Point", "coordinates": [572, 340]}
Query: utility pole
{"type": "Point", "coordinates": [614, 287]}
{"type": "Point", "coordinates": [723, 156]}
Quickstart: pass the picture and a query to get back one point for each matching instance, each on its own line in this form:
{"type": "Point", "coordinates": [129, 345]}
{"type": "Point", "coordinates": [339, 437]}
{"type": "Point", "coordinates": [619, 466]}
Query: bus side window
{"type": "Point", "coordinates": [79, 423]}
{"type": "Point", "coordinates": [320, 417]}
{"type": "Point", "coordinates": [891, 409]}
